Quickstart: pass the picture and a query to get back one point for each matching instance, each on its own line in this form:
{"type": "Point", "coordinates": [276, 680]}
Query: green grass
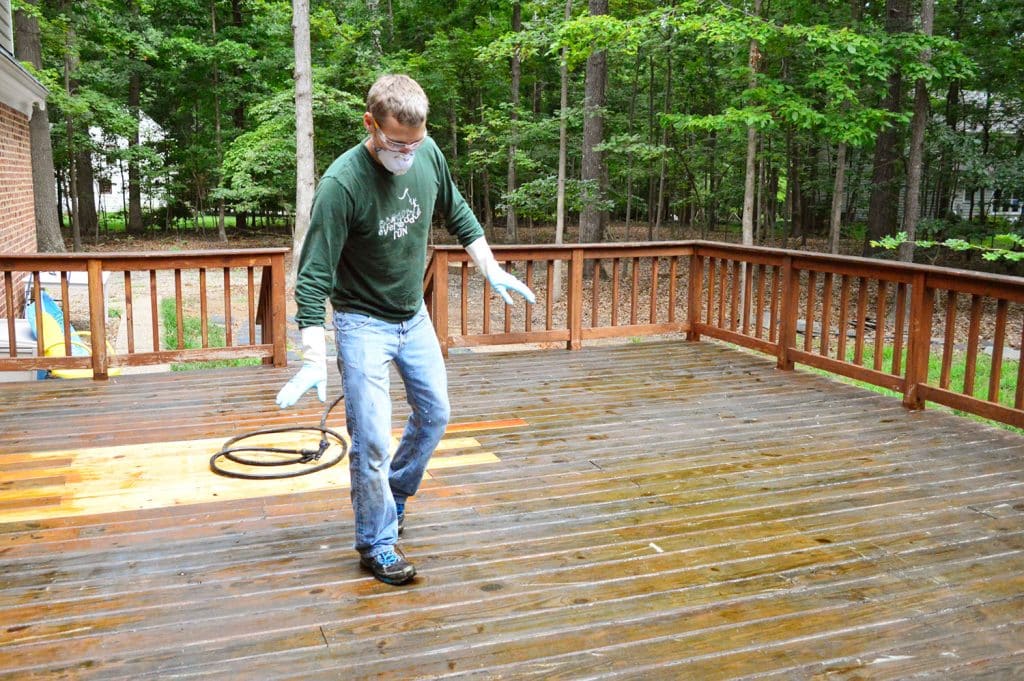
{"type": "Point", "coordinates": [958, 371]}
{"type": "Point", "coordinates": [193, 335]}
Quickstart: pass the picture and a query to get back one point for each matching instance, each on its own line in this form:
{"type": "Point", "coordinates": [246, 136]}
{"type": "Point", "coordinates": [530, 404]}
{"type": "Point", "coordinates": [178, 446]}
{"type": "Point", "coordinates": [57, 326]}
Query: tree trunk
{"type": "Point", "coordinates": [221, 232]}
{"type": "Point", "coordinates": [88, 221]}
{"type": "Point", "coordinates": [29, 48]}
{"type": "Point", "coordinates": [749, 185]}
{"type": "Point", "coordinates": [629, 131]}
{"type": "Point", "coordinates": [304, 160]}
{"type": "Point", "coordinates": [238, 114]}
{"type": "Point", "coordinates": [838, 190]}
{"type": "Point", "coordinates": [593, 220]}
{"type": "Point", "coordinates": [653, 233]}
{"type": "Point", "coordinates": [563, 146]}
{"type": "Point", "coordinates": [912, 208]}
{"type": "Point", "coordinates": [885, 180]}
{"type": "Point", "coordinates": [516, 67]}
{"type": "Point", "coordinates": [134, 223]}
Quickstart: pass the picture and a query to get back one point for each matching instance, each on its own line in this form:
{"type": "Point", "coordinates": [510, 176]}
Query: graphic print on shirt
{"type": "Point", "coordinates": [397, 225]}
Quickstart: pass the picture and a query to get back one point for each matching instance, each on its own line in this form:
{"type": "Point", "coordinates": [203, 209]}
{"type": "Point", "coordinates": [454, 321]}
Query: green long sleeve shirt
{"type": "Point", "coordinates": [366, 247]}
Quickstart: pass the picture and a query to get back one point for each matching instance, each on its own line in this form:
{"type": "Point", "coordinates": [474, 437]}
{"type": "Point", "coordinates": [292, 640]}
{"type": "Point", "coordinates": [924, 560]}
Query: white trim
{"type": "Point", "coordinates": [18, 89]}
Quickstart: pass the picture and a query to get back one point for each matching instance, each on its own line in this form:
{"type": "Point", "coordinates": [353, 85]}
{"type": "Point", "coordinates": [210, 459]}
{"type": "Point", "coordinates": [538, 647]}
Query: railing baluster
{"type": "Point", "coordinates": [1018, 395]}
{"type": "Point", "coordinates": [862, 306]}
{"type": "Point", "coordinates": [129, 312]}
{"type": "Point", "coordinates": [228, 336]}
{"type": "Point", "coordinates": [673, 272]}
{"type": "Point", "coordinates": [550, 301]}
{"type": "Point", "coordinates": [12, 343]}
{"type": "Point", "coordinates": [179, 308]}
{"type": "Point", "coordinates": [486, 305]}
{"type": "Point", "coordinates": [812, 286]}
{"type": "Point", "coordinates": [826, 316]}
{"type": "Point", "coordinates": [154, 311]}
{"type": "Point", "coordinates": [65, 306]}
{"type": "Point", "coordinates": [901, 313]}
{"type": "Point", "coordinates": [616, 274]}
{"type": "Point", "coordinates": [464, 297]}
{"type": "Point", "coordinates": [595, 297]}
{"type": "Point", "coordinates": [844, 312]}
{"type": "Point", "coordinates": [654, 289]}
{"type": "Point", "coordinates": [973, 336]}
{"type": "Point", "coordinates": [776, 302]}
{"type": "Point", "coordinates": [251, 282]}
{"type": "Point", "coordinates": [949, 340]}
{"type": "Point", "coordinates": [529, 308]}
{"type": "Point", "coordinates": [37, 292]}
{"type": "Point", "coordinates": [759, 310]}
{"type": "Point", "coordinates": [712, 265]}
{"type": "Point", "coordinates": [722, 278]}
{"type": "Point", "coordinates": [635, 292]}
{"type": "Point", "coordinates": [506, 307]}
{"type": "Point", "coordinates": [748, 287]}
{"type": "Point", "coordinates": [734, 296]}
{"type": "Point", "coordinates": [883, 293]}
{"type": "Point", "coordinates": [203, 324]}
{"type": "Point", "coordinates": [998, 339]}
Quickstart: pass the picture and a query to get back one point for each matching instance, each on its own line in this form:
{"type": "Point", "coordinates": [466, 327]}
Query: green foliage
{"type": "Point", "coordinates": [193, 337]}
{"type": "Point", "coordinates": [1014, 252]}
{"type": "Point", "coordinates": [681, 95]}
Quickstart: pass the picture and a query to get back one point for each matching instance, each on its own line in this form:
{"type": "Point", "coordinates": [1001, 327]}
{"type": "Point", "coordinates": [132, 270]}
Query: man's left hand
{"type": "Point", "coordinates": [499, 279]}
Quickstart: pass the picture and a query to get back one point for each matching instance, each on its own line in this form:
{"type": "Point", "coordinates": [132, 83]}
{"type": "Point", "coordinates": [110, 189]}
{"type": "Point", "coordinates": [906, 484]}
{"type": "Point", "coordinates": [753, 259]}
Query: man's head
{"type": "Point", "coordinates": [396, 119]}
{"type": "Point", "coordinates": [399, 97]}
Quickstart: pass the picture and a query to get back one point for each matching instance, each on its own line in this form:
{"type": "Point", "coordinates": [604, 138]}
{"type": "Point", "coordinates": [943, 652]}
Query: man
{"type": "Point", "coordinates": [366, 251]}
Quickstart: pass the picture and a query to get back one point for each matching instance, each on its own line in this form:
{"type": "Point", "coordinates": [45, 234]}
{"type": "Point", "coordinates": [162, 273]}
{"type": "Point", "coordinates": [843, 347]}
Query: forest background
{"type": "Point", "coordinates": [768, 121]}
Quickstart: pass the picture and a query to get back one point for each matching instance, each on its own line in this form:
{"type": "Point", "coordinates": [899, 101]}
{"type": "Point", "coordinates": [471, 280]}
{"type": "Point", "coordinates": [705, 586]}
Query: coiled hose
{"type": "Point", "coordinates": [232, 452]}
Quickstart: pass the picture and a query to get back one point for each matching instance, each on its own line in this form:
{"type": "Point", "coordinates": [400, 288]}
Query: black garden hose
{"type": "Point", "coordinates": [303, 456]}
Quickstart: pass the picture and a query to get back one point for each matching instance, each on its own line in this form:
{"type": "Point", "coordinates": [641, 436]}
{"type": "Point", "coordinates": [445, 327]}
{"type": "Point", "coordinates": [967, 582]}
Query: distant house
{"type": "Point", "coordinates": [1004, 121]}
{"type": "Point", "coordinates": [19, 92]}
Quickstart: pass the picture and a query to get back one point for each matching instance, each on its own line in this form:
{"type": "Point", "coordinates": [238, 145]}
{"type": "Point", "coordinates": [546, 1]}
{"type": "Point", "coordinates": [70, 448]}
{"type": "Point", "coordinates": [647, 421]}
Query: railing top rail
{"type": "Point", "coordinates": [802, 258]}
{"type": "Point", "coordinates": [144, 255]}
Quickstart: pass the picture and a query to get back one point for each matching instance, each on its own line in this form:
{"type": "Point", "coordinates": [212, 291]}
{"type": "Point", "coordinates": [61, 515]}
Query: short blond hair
{"type": "Point", "coordinates": [399, 96]}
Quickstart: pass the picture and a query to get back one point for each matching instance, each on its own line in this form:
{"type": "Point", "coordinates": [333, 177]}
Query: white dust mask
{"type": "Point", "coordinates": [396, 162]}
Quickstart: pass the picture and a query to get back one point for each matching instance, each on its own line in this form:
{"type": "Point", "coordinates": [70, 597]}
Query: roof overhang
{"type": "Point", "coordinates": [18, 88]}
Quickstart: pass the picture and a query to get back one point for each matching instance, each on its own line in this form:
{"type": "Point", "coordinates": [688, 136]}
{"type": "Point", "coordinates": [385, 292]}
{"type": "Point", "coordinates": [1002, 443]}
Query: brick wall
{"type": "Point", "coordinates": [17, 209]}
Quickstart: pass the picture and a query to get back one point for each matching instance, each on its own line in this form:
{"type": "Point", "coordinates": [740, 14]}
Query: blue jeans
{"type": "Point", "coordinates": [366, 349]}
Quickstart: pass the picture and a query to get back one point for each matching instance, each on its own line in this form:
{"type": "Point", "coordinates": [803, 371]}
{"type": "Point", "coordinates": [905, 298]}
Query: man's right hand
{"type": "Point", "coordinates": [313, 371]}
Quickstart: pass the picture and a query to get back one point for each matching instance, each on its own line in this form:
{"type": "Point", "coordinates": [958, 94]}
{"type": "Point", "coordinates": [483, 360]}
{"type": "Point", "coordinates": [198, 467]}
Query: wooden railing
{"type": "Point", "coordinates": [880, 322]}
{"type": "Point", "coordinates": [198, 281]}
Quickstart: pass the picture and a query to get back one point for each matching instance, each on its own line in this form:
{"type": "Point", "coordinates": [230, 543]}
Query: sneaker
{"type": "Point", "coordinates": [400, 507]}
{"type": "Point", "coordinates": [389, 567]}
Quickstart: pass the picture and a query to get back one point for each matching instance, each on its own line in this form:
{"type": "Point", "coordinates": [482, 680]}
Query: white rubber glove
{"type": "Point", "coordinates": [501, 280]}
{"type": "Point", "coordinates": [313, 371]}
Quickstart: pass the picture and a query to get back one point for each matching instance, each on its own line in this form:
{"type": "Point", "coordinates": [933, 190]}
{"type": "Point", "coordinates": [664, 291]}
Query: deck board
{"type": "Point", "coordinates": [654, 510]}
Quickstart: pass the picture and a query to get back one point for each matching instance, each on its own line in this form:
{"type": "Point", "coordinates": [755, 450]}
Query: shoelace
{"type": "Point", "coordinates": [387, 558]}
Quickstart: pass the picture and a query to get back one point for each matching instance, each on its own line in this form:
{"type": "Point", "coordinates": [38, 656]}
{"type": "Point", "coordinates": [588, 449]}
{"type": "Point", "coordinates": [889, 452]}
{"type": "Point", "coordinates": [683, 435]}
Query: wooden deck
{"type": "Point", "coordinates": [650, 510]}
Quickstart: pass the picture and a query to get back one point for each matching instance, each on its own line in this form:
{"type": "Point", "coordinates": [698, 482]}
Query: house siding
{"type": "Point", "coordinates": [17, 208]}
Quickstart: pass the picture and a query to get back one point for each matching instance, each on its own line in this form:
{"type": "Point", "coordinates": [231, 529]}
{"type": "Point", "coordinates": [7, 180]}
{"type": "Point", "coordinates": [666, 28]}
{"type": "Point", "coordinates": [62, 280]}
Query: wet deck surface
{"type": "Point", "coordinates": [652, 510]}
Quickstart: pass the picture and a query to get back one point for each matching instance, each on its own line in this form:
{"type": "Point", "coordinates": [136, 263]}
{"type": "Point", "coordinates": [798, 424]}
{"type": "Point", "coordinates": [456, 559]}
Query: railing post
{"type": "Point", "coordinates": [97, 320]}
{"type": "Point", "coordinates": [695, 296]}
{"type": "Point", "coordinates": [919, 341]}
{"type": "Point", "coordinates": [575, 302]}
{"type": "Point", "coordinates": [790, 302]}
{"type": "Point", "coordinates": [278, 311]}
{"type": "Point", "coordinates": [440, 299]}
